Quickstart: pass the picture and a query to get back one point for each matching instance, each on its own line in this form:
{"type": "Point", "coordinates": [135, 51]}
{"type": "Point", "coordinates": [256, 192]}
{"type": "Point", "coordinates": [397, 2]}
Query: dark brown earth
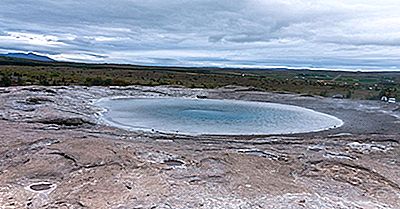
{"type": "Point", "coordinates": [55, 152]}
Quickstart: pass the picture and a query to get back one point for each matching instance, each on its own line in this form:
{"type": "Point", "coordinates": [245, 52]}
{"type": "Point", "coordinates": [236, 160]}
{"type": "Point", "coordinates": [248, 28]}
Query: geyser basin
{"type": "Point", "coordinates": [213, 117]}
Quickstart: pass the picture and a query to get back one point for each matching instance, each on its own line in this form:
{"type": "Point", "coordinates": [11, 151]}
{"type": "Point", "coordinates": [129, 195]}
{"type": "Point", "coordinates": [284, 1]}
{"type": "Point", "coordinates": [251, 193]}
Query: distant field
{"type": "Point", "coordinates": [346, 84]}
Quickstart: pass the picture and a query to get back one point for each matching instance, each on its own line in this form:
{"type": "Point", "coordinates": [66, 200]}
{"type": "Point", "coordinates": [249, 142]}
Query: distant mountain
{"type": "Point", "coordinates": [30, 56]}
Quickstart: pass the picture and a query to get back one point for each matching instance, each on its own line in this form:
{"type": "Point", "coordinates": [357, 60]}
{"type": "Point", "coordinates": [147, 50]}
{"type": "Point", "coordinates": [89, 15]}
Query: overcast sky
{"type": "Point", "coordinates": [300, 33]}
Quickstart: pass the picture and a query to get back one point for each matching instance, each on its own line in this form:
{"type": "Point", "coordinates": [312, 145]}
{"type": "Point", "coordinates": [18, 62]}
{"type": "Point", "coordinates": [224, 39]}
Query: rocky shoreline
{"type": "Point", "coordinates": [56, 153]}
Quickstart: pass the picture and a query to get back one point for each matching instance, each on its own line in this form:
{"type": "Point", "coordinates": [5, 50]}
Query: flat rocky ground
{"type": "Point", "coordinates": [55, 152]}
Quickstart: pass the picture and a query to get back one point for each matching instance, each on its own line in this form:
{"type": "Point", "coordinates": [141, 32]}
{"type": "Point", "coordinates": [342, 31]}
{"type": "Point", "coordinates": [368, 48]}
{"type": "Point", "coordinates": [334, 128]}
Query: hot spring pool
{"type": "Point", "coordinates": [213, 117]}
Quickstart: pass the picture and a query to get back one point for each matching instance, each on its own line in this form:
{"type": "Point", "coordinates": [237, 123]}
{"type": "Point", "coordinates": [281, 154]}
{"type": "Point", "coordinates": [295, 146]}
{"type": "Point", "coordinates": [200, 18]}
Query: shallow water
{"type": "Point", "coordinates": [213, 117]}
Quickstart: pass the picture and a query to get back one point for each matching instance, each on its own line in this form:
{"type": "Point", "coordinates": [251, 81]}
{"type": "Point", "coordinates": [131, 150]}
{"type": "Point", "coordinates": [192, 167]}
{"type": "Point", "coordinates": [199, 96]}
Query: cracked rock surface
{"type": "Point", "coordinates": [55, 152]}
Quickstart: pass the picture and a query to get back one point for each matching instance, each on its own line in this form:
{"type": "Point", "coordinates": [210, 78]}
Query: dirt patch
{"type": "Point", "coordinates": [66, 121]}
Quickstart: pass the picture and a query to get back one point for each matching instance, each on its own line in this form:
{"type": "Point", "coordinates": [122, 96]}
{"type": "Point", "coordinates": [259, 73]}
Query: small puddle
{"type": "Point", "coordinates": [41, 187]}
{"type": "Point", "coordinates": [174, 163]}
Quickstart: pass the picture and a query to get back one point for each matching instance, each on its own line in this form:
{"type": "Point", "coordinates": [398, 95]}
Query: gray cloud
{"type": "Point", "coordinates": [207, 32]}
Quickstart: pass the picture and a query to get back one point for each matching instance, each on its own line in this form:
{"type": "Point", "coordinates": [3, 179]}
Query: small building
{"type": "Point", "coordinates": [384, 99]}
{"type": "Point", "coordinates": [392, 100]}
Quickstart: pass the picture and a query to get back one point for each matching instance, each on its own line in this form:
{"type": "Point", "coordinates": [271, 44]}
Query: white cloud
{"type": "Point", "coordinates": [330, 33]}
{"type": "Point", "coordinates": [32, 39]}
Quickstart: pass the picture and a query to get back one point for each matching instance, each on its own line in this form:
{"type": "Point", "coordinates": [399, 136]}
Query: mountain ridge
{"type": "Point", "coordinates": [29, 56]}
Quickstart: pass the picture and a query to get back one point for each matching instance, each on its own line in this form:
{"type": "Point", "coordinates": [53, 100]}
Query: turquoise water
{"type": "Point", "coordinates": [213, 117]}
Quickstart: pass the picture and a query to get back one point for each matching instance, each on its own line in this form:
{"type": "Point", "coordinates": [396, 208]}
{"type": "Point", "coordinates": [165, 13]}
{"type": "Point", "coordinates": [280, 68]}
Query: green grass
{"type": "Point", "coordinates": [354, 85]}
